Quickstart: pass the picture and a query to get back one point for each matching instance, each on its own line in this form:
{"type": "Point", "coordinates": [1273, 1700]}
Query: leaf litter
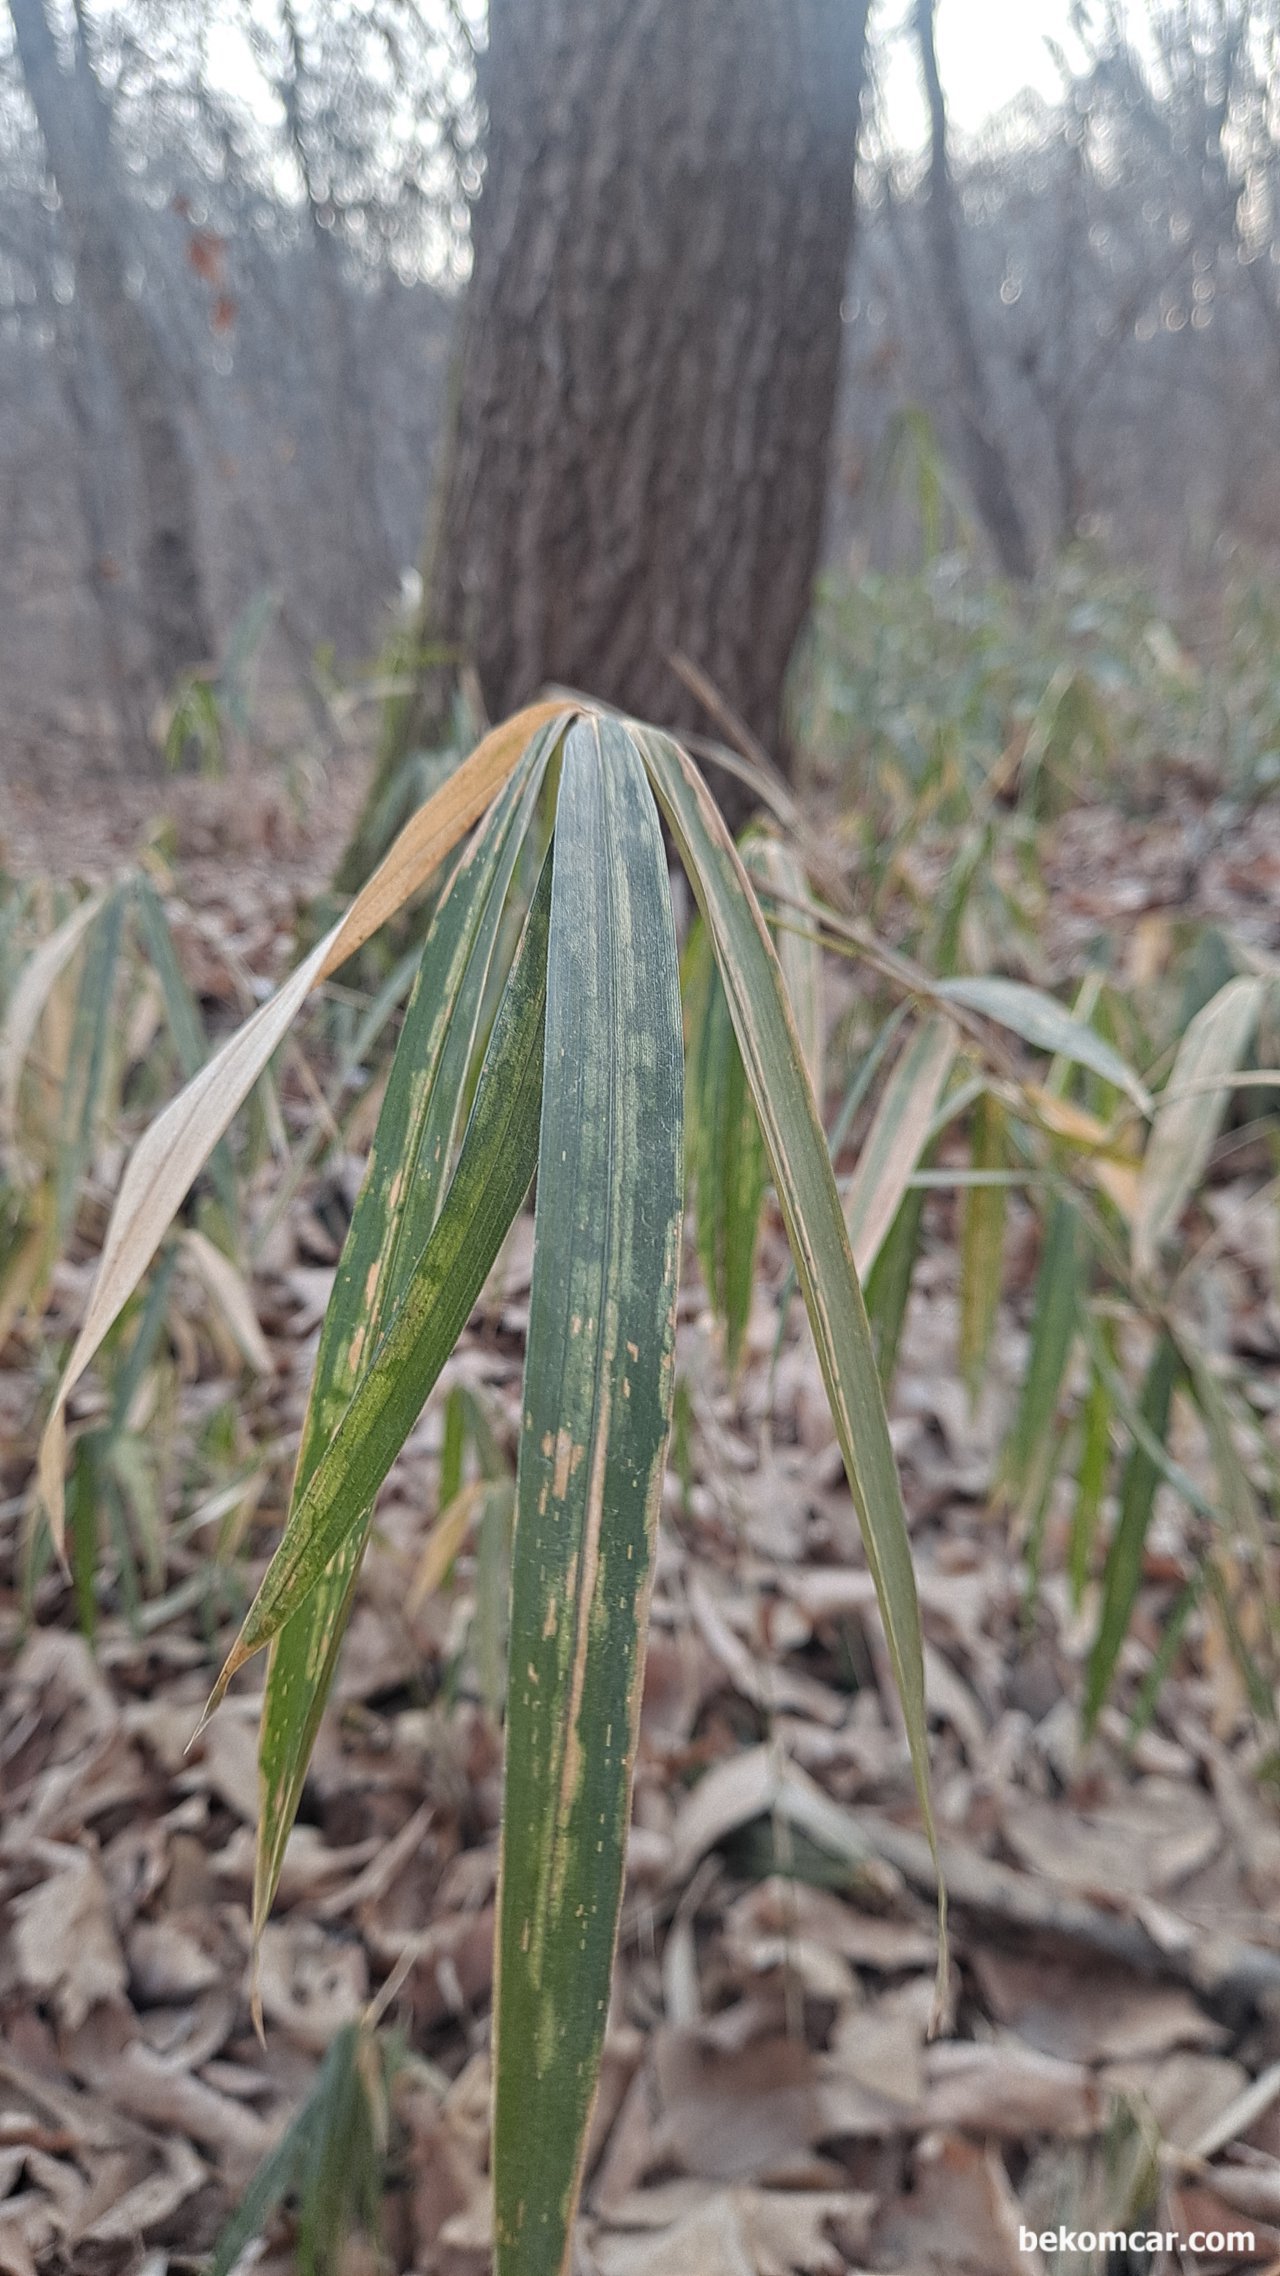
{"type": "Point", "coordinates": [771, 2099]}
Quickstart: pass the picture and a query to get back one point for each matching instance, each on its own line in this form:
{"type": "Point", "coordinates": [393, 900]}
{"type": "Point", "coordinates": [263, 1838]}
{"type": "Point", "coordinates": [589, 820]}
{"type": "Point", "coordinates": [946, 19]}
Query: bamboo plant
{"type": "Point", "coordinates": [577, 1081]}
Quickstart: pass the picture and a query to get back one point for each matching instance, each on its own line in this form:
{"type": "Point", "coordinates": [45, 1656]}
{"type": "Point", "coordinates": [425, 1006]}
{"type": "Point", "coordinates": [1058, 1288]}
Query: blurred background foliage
{"type": "Point", "coordinates": [287, 188]}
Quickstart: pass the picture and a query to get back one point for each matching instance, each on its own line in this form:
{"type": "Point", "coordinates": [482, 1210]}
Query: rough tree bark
{"type": "Point", "coordinates": [647, 370]}
{"type": "Point", "coordinates": [74, 120]}
{"type": "Point", "coordinates": [986, 467]}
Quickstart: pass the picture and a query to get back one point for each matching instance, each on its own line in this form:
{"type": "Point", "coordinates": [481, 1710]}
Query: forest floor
{"type": "Point", "coordinates": [1109, 2055]}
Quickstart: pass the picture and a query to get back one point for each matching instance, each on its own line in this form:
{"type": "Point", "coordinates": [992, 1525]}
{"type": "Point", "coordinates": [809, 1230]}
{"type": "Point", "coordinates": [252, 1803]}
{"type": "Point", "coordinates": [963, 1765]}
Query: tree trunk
{"type": "Point", "coordinates": [647, 368]}
{"type": "Point", "coordinates": [348, 450]}
{"type": "Point", "coordinates": [988, 472]}
{"type": "Point", "coordinates": [74, 122]}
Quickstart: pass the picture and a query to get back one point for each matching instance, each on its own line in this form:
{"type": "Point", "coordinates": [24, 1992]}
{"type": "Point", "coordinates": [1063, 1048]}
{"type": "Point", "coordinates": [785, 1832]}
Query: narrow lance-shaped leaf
{"type": "Point", "coordinates": [888, 1285]}
{"type": "Point", "coordinates": [1122, 1574]}
{"type": "Point", "coordinates": [398, 1203]}
{"type": "Point", "coordinates": [1093, 1468]}
{"type": "Point", "coordinates": [799, 953]}
{"type": "Point", "coordinates": [31, 993]}
{"type": "Point", "coordinates": [1183, 1132]}
{"type": "Point", "coordinates": [725, 1150]}
{"type": "Point", "coordinates": [492, 1177]}
{"type": "Point", "coordinates": [1042, 1021]}
{"type": "Point", "coordinates": [726, 1157]}
{"type": "Point", "coordinates": [171, 1153]}
{"type": "Point", "coordinates": [185, 1024]}
{"type": "Point", "coordinates": [1055, 1320]}
{"type": "Point", "coordinates": [597, 1410]}
{"type": "Point", "coordinates": [87, 1064]}
{"type": "Point", "coordinates": [811, 1208]}
{"type": "Point", "coordinates": [982, 1244]}
{"type": "Point", "coordinates": [900, 1131]}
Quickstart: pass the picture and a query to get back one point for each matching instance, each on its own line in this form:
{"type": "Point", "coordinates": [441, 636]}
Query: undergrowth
{"type": "Point", "coordinates": [980, 1094]}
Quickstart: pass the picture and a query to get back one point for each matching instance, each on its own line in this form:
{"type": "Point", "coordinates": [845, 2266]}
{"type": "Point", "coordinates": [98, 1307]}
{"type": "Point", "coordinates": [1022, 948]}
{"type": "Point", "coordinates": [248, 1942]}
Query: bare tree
{"type": "Point", "coordinates": [75, 124]}
{"type": "Point", "coordinates": [986, 466]}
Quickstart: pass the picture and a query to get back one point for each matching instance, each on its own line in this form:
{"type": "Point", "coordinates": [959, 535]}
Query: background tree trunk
{"type": "Point", "coordinates": [647, 371]}
{"type": "Point", "coordinates": [74, 119]}
{"type": "Point", "coordinates": [351, 458]}
{"type": "Point", "coordinates": [986, 466]}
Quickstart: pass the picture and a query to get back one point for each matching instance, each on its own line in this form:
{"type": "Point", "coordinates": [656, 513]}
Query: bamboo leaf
{"type": "Point", "coordinates": [799, 953]}
{"type": "Point", "coordinates": [1113, 1169]}
{"type": "Point", "coordinates": [1129, 1413]}
{"type": "Point", "coordinates": [982, 1243]}
{"type": "Point", "coordinates": [1122, 1574]}
{"type": "Point", "coordinates": [399, 1201]}
{"type": "Point", "coordinates": [320, 2133]}
{"type": "Point", "coordinates": [87, 1061]}
{"type": "Point", "coordinates": [489, 1184]}
{"type": "Point", "coordinates": [889, 1285]}
{"type": "Point", "coordinates": [1042, 1021]}
{"type": "Point", "coordinates": [1183, 1132]}
{"type": "Point", "coordinates": [725, 1151]}
{"type": "Point", "coordinates": [38, 978]}
{"type": "Point", "coordinates": [1055, 1320]}
{"type": "Point", "coordinates": [185, 1023]}
{"type": "Point", "coordinates": [811, 1208]}
{"type": "Point", "coordinates": [597, 1410]}
{"type": "Point", "coordinates": [443, 1543]}
{"type": "Point", "coordinates": [171, 1153]}
{"type": "Point", "coordinates": [232, 1296]}
{"type": "Point", "coordinates": [1093, 1468]}
{"type": "Point", "coordinates": [727, 1163]}
{"type": "Point", "coordinates": [900, 1131]}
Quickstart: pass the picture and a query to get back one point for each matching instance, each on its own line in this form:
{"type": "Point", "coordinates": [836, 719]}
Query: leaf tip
{"type": "Point", "coordinates": [50, 1467]}
{"type": "Point", "coordinates": [235, 1660]}
{"type": "Point", "coordinates": [255, 2004]}
{"type": "Point", "coordinates": [940, 2014]}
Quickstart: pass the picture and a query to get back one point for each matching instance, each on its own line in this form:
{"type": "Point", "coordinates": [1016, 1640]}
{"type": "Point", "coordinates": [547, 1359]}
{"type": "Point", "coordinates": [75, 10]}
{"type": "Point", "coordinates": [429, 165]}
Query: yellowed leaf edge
{"type": "Point", "coordinates": [170, 1154]}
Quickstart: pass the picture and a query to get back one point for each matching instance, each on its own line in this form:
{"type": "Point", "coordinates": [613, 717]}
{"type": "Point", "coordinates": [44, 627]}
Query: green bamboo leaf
{"type": "Point", "coordinates": [493, 1174]}
{"type": "Point", "coordinates": [900, 1131]}
{"type": "Point", "coordinates": [1172, 1630]}
{"type": "Point", "coordinates": [1122, 1575]}
{"type": "Point", "coordinates": [725, 1153]}
{"type": "Point", "coordinates": [889, 1285]}
{"type": "Point", "coordinates": [327, 2155]}
{"type": "Point", "coordinates": [1129, 1413]}
{"type": "Point", "coordinates": [811, 1208]}
{"type": "Point", "coordinates": [727, 1168]}
{"type": "Point", "coordinates": [404, 1186]}
{"type": "Point", "coordinates": [1092, 1471]}
{"type": "Point", "coordinates": [982, 1242]}
{"type": "Point", "coordinates": [597, 1411]}
{"type": "Point", "coordinates": [1042, 1021]}
{"type": "Point", "coordinates": [1183, 1132]}
{"type": "Point", "coordinates": [778, 869]}
{"type": "Point", "coordinates": [862, 1079]}
{"type": "Point", "coordinates": [1055, 1320]}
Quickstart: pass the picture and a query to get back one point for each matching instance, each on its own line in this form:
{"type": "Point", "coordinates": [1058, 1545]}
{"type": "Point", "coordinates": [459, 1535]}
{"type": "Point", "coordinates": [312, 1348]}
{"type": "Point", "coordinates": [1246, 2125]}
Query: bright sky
{"type": "Point", "coordinates": [988, 50]}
